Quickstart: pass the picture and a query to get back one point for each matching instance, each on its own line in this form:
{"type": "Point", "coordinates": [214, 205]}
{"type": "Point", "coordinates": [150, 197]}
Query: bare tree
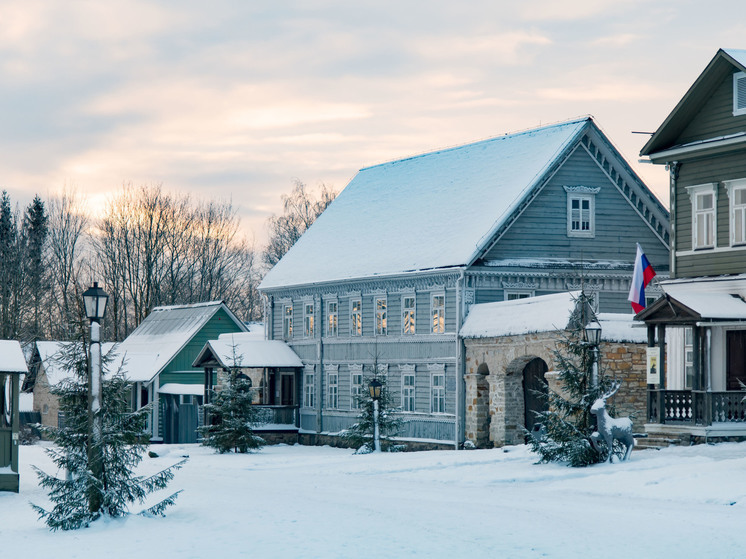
{"type": "Point", "coordinates": [300, 210]}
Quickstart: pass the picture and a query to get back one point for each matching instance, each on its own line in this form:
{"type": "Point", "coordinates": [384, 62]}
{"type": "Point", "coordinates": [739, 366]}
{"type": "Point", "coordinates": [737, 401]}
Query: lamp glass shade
{"type": "Point", "coordinates": [593, 333]}
{"type": "Point", "coordinates": [94, 301]}
{"type": "Point", "coordinates": [375, 389]}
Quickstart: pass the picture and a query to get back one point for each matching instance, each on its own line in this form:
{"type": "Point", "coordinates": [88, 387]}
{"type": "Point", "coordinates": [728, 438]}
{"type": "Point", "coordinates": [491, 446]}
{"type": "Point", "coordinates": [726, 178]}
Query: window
{"type": "Point", "coordinates": [688, 357]}
{"type": "Point", "coordinates": [514, 295]}
{"type": "Point", "coordinates": [581, 211]}
{"type": "Point", "coordinates": [438, 313]}
{"type": "Point", "coordinates": [332, 383]}
{"type": "Point", "coordinates": [739, 93]}
{"type": "Point", "coordinates": [438, 392]}
{"type": "Point", "coordinates": [736, 190]}
{"type": "Point", "coordinates": [332, 319]}
{"type": "Point", "coordinates": [287, 322]}
{"type": "Point", "coordinates": [408, 316]}
{"type": "Point", "coordinates": [407, 389]}
{"type": "Point", "coordinates": [308, 320]}
{"type": "Point", "coordinates": [381, 317]}
{"type": "Point", "coordinates": [356, 317]}
{"type": "Point", "coordinates": [356, 386]}
{"type": "Point", "coordinates": [309, 390]}
{"type": "Point", "coordinates": [704, 203]}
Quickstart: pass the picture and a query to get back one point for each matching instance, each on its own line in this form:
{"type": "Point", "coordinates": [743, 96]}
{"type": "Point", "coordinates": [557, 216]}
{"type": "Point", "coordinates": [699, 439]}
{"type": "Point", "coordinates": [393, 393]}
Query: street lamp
{"type": "Point", "coordinates": [375, 393]}
{"type": "Point", "coordinates": [94, 301]}
{"type": "Point", "coordinates": [592, 336]}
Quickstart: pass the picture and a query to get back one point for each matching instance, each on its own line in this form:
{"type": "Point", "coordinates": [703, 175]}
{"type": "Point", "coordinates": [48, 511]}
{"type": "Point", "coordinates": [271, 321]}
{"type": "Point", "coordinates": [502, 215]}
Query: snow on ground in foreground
{"type": "Point", "coordinates": [296, 501]}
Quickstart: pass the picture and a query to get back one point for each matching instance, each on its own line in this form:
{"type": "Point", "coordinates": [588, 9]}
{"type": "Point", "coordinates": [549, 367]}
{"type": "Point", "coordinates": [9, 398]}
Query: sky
{"type": "Point", "coordinates": [236, 100]}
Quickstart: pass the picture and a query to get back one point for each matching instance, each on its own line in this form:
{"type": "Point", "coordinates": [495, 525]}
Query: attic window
{"type": "Point", "coordinates": [581, 209]}
{"type": "Point", "coordinates": [739, 93]}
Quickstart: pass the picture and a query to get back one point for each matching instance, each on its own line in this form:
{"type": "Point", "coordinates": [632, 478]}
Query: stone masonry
{"type": "Point", "coordinates": [494, 383]}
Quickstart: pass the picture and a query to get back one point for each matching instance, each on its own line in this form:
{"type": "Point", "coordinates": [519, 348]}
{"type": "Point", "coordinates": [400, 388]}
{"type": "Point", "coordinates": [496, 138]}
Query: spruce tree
{"type": "Point", "coordinates": [568, 424]}
{"type": "Point", "coordinates": [360, 435]}
{"type": "Point", "coordinates": [123, 444]}
{"type": "Point", "coordinates": [232, 417]}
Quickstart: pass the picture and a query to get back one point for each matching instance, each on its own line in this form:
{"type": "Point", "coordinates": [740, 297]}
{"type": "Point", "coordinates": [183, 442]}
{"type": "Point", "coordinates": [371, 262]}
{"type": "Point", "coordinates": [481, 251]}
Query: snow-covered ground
{"type": "Point", "coordinates": [297, 501]}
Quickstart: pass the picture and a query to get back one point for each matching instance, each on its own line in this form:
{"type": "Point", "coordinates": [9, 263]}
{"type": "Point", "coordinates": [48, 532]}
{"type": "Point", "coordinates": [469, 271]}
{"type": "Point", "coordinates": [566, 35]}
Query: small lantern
{"type": "Point", "coordinates": [592, 333]}
{"type": "Point", "coordinates": [375, 389]}
{"type": "Point", "coordinates": [94, 300]}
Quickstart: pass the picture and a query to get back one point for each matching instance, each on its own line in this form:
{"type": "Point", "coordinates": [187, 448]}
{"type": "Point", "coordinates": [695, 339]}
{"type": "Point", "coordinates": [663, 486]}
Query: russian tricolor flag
{"type": "Point", "coordinates": [640, 279]}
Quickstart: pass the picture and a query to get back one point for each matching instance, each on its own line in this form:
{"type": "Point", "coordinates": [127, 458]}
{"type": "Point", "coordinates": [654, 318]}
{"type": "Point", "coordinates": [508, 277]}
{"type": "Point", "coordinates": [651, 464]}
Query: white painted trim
{"type": "Point", "coordinates": [730, 187]}
{"type": "Point", "coordinates": [695, 192]}
{"type": "Point", "coordinates": [575, 193]}
{"type": "Point", "coordinates": [413, 310]}
{"type": "Point", "coordinates": [739, 79]}
{"type": "Point", "coordinates": [433, 295]}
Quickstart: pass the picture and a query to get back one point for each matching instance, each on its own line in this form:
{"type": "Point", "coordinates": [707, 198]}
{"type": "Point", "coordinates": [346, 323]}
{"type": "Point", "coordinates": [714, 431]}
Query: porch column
{"type": "Point", "coordinates": [696, 357]}
{"type": "Point", "coordinates": [662, 368]}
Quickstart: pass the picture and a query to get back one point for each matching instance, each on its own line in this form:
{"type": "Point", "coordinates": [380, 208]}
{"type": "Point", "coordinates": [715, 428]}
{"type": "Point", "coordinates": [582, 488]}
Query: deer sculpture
{"type": "Point", "coordinates": [611, 429]}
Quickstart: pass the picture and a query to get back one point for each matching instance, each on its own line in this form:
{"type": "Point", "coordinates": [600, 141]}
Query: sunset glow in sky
{"type": "Point", "coordinates": [236, 99]}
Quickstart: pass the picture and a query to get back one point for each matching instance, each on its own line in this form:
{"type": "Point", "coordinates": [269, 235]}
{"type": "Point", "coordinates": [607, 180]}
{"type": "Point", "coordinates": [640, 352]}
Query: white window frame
{"type": "Point", "coordinates": [381, 309]}
{"type": "Point", "coordinates": [517, 294]}
{"type": "Point", "coordinates": [408, 389]}
{"type": "Point", "coordinates": [332, 387]}
{"type": "Point", "coordinates": [308, 315]}
{"type": "Point", "coordinates": [287, 321]}
{"type": "Point", "coordinates": [437, 313]}
{"type": "Point", "coordinates": [736, 212]}
{"type": "Point", "coordinates": [332, 319]}
{"type": "Point", "coordinates": [438, 389]}
{"type": "Point", "coordinates": [705, 217]}
{"type": "Point", "coordinates": [739, 85]}
{"type": "Point", "coordinates": [688, 357]}
{"type": "Point", "coordinates": [309, 389]}
{"type": "Point", "coordinates": [356, 317]}
{"type": "Point", "coordinates": [581, 194]}
{"type": "Point", "coordinates": [408, 315]}
{"type": "Point", "coordinates": [356, 386]}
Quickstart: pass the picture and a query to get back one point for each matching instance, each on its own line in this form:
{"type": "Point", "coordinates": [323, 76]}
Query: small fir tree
{"type": "Point", "coordinates": [360, 434]}
{"type": "Point", "coordinates": [568, 424]}
{"type": "Point", "coordinates": [233, 416]}
{"type": "Point", "coordinates": [123, 442]}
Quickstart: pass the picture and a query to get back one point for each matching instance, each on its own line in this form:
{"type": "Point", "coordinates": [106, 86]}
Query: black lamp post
{"type": "Point", "coordinates": [592, 335]}
{"type": "Point", "coordinates": [375, 393]}
{"type": "Point", "coordinates": [94, 301]}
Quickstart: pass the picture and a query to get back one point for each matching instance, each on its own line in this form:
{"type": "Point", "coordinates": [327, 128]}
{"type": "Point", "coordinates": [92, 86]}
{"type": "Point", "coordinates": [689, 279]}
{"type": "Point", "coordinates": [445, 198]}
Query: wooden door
{"type": "Point", "coordinates": [535, 391]}
{"type": "Point", "coordinates": [736, 351]}
{"type": "Point", "coordinates": [287, 390]}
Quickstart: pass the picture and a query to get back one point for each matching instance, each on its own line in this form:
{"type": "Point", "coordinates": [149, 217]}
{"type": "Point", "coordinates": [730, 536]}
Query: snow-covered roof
{"type": "Point", "coordinates": [25, 402]}
{"type": "Point", "coordinates": [11, 357]}
{"type": "Point", "coordinates": [739, 55]}
{"type": "Point", "coordinates": [248, 350]}
{"type": "Point", "coordinates": [435, 210]}
{"type": "Point", "coordinates": [162, 335]}
{"type": "Point", "coordinates": [182, 389]}
{"type": "Point", "coordinates": [545, 313]}
{"type": "Point", "coordinates": [720, 298]}
{"type": "Point", "coordinates": [51, 355]}
{"type": "Point", "coordinates": [617, 327]}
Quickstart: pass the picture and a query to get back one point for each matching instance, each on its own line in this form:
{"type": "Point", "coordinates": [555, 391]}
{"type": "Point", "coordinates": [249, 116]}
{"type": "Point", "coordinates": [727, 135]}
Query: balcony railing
{"type": "Point", "coordinates": [275, 415]}
{"type": "Point", "coordinates": [694, 407]}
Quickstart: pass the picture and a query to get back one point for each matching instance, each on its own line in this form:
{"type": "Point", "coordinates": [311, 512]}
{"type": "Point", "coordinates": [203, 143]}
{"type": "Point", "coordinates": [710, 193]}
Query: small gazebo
{"type": "Point", "coordinates": [12, 366]}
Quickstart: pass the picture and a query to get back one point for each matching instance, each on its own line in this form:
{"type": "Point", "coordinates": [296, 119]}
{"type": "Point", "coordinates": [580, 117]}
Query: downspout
{"type": "Point", "coordinates": [320, 357]}
{"type": "Point", "coordinates": [673, 171]}
{"type": "Point", "coordinates": [460, 364]}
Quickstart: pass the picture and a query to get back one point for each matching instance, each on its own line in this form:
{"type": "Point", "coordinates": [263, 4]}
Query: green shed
{"type": "Point", "coordinates": [12, 366]}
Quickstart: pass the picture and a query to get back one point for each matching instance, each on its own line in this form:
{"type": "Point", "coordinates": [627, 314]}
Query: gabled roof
{"type": "Point", "coordinates": [719, 67]}
{"type": "Point", "coordinates": [162, 335]}
{"type": "Point", "coordinates": [51, 356]}
{"type": "Point", "coordinates": [247, 350]}
{"type": "Point", "coordinates": [436, 210]}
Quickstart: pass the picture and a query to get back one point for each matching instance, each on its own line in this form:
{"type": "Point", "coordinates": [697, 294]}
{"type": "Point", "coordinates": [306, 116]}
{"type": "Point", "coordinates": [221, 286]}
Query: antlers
{"type": "Point", "coordinates": [614, 387]}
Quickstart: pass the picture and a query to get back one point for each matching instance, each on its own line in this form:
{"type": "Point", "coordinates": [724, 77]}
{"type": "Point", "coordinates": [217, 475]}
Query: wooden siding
{"type": "Point", "coordinates": [541, 231]}
{"type": "Point", "coordinates": [715, 117]}
{"type": "Point", "coordinates": [708, 262]}
{"type": "Point", "coordinates": [179, 369]}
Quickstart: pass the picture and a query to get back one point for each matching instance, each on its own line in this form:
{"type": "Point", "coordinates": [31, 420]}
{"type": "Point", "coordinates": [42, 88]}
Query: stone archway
{"type": "Point", "coordinates": [527, 374]}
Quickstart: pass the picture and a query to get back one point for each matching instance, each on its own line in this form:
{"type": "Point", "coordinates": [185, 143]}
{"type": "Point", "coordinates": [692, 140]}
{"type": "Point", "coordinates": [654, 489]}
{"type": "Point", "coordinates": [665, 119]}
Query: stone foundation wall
{"type": "Point", "coordinates": [495, 408]}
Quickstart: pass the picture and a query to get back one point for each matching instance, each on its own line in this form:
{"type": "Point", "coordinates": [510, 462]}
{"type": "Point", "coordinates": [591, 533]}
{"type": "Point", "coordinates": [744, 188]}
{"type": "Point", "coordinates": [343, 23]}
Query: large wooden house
{"type": "Point", "coordinates": [701, 321]}
{"type": "Point", "coordinates": [385, 278]}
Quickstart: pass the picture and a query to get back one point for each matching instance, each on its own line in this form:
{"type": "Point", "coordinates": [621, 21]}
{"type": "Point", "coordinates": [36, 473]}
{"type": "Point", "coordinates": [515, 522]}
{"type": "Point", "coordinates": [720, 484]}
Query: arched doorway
{"type": "Point", "coordinates": [535, 391]}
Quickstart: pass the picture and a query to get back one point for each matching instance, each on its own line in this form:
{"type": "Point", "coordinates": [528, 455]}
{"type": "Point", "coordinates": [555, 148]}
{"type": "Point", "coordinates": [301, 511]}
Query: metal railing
{"type": "Point", "coordinates": [275, 415]}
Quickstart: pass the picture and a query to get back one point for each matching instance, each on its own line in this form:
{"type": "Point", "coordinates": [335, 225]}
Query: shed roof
{"type": "Point", "coordinates": [436, 210]}
{"type": "Point", "coordinates": [248, 350]}
{"type": "Point", "coordinates": [51, 355]}
{"type": "Point", "coordinates": [162, 335]}
{"type": "Point", "coordinates": [11, 357]}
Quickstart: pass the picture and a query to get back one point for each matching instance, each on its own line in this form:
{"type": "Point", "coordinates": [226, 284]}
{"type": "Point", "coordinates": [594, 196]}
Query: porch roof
{"type": "Point", "coordinates": [246, 350]}
{"type": "Point", "coordinates": [716, 299]}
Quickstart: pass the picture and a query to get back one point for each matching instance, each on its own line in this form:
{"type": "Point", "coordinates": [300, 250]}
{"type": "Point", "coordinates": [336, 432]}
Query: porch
{"type": "Point", "coordinates": [697, 412]}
